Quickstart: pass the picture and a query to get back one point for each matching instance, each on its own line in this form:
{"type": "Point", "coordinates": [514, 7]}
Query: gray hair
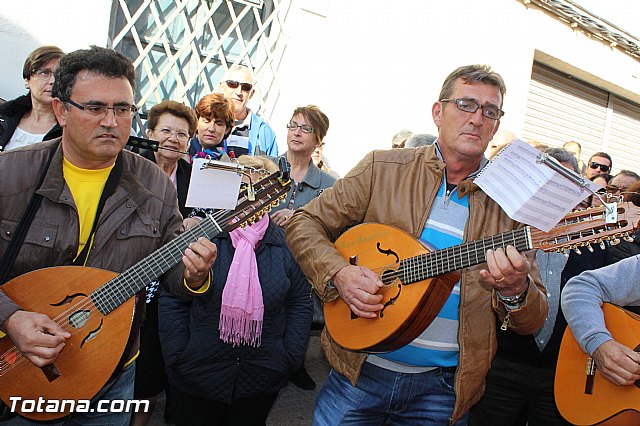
{"type": "Point", "coordinates": [238, 67]}
{"type": "Point", "coordinates": [419, 139]}
{"type": "Point", "coordinates": [473, 74]}
{"type": "Point", "coordinates": [400, 138]}
{"type": "Point", "coordinates": [563, 156]}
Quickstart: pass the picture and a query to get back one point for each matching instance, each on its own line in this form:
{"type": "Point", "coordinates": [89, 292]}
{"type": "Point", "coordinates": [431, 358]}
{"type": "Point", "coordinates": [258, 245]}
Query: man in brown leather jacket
{"type": "Point", "coordinates": [429, 193]}
{"type": "Point", "coordinates": [93, 102]}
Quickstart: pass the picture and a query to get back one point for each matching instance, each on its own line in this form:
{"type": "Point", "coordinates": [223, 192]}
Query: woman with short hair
{"type": "Point", "coordinates": [29, 118]}
{"type": "Point", "coordinates": [216, 116]}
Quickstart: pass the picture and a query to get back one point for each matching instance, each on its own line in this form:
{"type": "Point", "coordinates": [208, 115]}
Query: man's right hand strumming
{"type": "Point", "coordinates": [358, 287]}
{"type": "Point", "coordinates": [36, 336]}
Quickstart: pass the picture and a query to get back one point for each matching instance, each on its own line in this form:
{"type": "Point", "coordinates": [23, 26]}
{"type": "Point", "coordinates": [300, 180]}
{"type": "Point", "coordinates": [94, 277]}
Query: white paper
{"type": "Point", "coordinates": [213, 188]}
{"type": "Point", "coordinates": [528, 190]}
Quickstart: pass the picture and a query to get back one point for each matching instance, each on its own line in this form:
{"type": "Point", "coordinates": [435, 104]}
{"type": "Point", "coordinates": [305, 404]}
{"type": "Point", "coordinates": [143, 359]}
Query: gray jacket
{"type": "Point", "coordinates": [314, 183]}
{"type": "Point", "coordinates": [584, 294]}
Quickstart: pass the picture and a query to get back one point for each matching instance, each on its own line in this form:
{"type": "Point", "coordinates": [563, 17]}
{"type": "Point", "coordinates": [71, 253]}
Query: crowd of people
{"type": "Point", "coordinates": [226, 325]}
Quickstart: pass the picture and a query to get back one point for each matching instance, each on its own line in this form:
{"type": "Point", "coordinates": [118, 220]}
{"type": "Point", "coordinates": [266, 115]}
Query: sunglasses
{"type": "Point", "coordinates": [603, 167]}
{"type": "Point", "coordinates": [246, 87]}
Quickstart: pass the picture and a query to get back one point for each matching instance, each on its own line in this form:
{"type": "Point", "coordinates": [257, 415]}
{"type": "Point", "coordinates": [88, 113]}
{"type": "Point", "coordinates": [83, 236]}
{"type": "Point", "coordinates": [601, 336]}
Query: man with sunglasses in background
{"type": "Point", "coordinates": [600, 162]}
{"type": "Point", "coordinates": [251, 134]}
{"type": "Point", "coordinates": [94, 204]}
{"type": "Point", "coordinates": [429, 193]}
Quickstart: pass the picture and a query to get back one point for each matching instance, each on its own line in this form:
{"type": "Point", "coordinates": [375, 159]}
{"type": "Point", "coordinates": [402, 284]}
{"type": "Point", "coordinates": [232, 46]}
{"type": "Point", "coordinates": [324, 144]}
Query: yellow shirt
{"type": "Point", "coordinates": [86, 187]}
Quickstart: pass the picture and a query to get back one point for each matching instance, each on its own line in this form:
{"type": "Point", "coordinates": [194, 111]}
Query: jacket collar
{"type": "Point", "coordinates": [467, 185]}
{"type": "Point", "coordinates": [53, 185]}
{"type": "Point", "coordinates": [313, 177]}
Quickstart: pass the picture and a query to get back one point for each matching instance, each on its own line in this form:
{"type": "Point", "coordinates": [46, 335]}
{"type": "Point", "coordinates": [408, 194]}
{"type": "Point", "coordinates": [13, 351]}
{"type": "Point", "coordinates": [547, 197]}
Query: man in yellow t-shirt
{"type": "Point", "coordinates": [101, 207]}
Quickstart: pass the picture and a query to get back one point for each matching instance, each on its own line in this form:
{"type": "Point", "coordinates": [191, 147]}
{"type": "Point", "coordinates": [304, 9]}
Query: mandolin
{"type": "Point", "coordinates": [583, 396]}
{"type": "Point", "coordinates": [96, 307]}
{"type": "Point", "coordinates": [417, 281]}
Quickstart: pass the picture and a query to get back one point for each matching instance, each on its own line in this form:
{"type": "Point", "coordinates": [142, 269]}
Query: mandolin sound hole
{"type": "Point", "coordinates": [92, 335]}
{"type": "Point", "coordinates": [69, 299]}
{"type": "Point", "coordinates": [78, 319]}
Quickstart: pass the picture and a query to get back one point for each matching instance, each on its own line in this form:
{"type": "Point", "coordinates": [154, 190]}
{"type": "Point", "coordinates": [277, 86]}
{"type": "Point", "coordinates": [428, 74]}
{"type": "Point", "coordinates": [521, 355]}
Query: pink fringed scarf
{"type": "Point", "coordinates": [242, 306]}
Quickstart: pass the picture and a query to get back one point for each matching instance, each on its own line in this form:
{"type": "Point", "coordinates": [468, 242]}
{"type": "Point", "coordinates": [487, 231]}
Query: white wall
{"type": "Point", "coordinates": [376, 70]}
{"type": "Point", "coordinates": [27, 24]}
{"type": "Point", "coordinates": [373, 67]}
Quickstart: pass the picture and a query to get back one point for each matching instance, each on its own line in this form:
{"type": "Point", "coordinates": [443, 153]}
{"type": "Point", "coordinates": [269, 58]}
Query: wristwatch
{"type": "Point", "coordinates": [516, 300]}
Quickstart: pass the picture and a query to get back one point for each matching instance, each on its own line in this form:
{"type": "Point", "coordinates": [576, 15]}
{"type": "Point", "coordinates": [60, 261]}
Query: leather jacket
{"type": "Point", "coordinates": [397, 188]}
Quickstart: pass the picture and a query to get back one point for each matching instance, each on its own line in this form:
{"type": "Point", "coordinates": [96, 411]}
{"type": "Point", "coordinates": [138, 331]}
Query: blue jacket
{"type": "Point", "coordinates": [199, 363]}
{"type": "Point", "coordinates": [262, 139]}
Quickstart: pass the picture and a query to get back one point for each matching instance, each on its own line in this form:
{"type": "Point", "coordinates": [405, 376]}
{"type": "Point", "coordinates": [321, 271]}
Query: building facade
{"type": "Point", "coordinates": [572, 71]}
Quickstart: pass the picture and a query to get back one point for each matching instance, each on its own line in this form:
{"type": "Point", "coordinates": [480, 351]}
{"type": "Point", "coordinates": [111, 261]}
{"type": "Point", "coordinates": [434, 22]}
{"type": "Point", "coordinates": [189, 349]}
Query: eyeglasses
{"type": "Point", "coordinates": [120, 111]}
{"type": "Point", "coordinates": [467, 105]}
{"type": "Point", "coordinates": [42, 73]}
{"type": "Point", "coordinates": [603, 167]}
{"type": "Point", "coordinates": [180, 135]}
{"type": "Point", "coordinates": [615, 188]}
{"type": "Point", "coordinates": [246, 87]}
{"type": "Point", "coordinates": [303, 127]}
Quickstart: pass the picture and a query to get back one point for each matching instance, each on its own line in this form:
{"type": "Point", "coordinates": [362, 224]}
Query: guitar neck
{"type": "Point", "coordinates": [424, 266]}
{"type": "Point", "coordinates": [115, 292]}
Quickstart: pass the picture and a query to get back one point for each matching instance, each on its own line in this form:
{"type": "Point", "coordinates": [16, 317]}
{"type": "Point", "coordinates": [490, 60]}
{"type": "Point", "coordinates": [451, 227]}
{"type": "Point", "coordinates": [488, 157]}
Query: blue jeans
{"type": "Point", "coordinates": [383, 396]}
{"type": "Point", "coordinates": [119, 389]}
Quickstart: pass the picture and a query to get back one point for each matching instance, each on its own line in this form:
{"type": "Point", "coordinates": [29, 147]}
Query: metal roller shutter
{"type": "Point", "coordinates": [560, 109]}
{"type": "Point", "coordinates": [624, 136]}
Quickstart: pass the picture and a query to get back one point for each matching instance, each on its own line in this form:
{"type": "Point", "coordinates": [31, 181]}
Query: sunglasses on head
{"type": "Point", "coordinates": [246, 87]}
{"type": "Point", "coordinates": [603, 167]}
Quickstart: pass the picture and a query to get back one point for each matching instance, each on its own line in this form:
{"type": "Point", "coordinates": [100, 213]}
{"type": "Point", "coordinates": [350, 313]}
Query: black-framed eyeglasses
{"type": "Point", "coordinates": [120, 111]}
{"type": "Point", "coordinates": [42, 73]}
{"type": "Point", "coordinates": [303, 127]}
{"type": "Point", "coordinates": [467, 105]}
{"type": "Point", "coordinates": [594, 165]}
{"type": "Point", "coordinates": [245, 87]}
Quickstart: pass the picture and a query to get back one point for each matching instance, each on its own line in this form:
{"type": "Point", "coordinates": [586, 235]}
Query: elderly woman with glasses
{"type": "Point", "coordinates": [172, 124]}
{"type": "Point", "coordinates": [29, 118]}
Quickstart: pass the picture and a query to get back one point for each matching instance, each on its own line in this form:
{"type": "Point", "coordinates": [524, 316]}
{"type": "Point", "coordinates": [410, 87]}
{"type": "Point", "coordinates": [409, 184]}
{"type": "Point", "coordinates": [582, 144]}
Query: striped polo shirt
{"type": "Point", "coordinates": [437, 345]}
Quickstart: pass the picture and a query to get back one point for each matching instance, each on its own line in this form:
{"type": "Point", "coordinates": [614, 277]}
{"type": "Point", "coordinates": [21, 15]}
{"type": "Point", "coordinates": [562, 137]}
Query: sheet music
{"type": "Point", "coordinates": [527, 190]}
{"type": "Point", "coordinates": [213, 188]}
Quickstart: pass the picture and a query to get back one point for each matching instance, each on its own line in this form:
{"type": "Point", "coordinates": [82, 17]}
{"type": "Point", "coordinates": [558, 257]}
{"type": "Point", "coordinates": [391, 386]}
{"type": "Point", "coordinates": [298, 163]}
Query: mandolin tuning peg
{"type": "Point", "coordinates": [564, 251]}
{"type": "Point", "coordinates": [602, 245]}
{"type": "Point", "coordinates": [628, 238]}
{"type": "Point", "coordinates": [590, 248]}
{"type": "Point", "coordinates": [576, 249]}
{"type": "Point", "coordinates": [615, 241]}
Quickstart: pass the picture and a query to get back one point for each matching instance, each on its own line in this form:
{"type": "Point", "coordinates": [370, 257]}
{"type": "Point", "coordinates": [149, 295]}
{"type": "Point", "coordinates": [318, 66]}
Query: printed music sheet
{"type": "Point", "coordinates": [213, 188]}
{"type": "Point", "coordinates": [528, 190]}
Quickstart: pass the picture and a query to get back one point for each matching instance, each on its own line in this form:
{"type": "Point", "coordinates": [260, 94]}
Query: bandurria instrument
{"type": "Point", "coordinates": [417, 282]}
{"type": "Point", "coordinates": [96, 307]}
